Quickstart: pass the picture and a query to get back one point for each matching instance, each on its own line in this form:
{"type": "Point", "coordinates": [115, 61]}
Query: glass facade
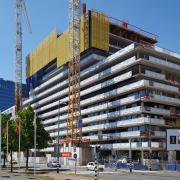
{"type": "Point", "coordinates": [7, 93]}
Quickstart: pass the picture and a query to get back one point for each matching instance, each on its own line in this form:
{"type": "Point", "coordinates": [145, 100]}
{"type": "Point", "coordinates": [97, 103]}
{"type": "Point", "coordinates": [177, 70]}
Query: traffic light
{"type": "Point", "coordinates": [98, 149]}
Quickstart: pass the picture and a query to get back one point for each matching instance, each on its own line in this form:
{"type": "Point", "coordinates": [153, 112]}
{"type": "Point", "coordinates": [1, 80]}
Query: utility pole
{"type": "Point", "coordinates": [0, 139]}
{"type": "Point", "coordinates": [58, 138]}
{"type": "Point", "coordinates": [130, 156]}
{"type": "Point", "coordinates": [58, 151]}
{"type": "Point", "coordinates": [150, 151]}
{"type": "Point", "coordinates": [35, 142]}
{"type": "Point", "coordinates": [97, 151]}
{"type": "Point", "coordinates": [7, 141]}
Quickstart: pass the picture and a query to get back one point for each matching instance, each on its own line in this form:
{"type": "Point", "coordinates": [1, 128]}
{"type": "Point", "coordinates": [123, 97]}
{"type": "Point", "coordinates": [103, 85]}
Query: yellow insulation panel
{"type": "Point", "coordinates": [63, 51]}
{"type": "Point", "coordinates": [42, 54]}
{"type": "Point", "coordinates": [99, 30]}
{"type": "Point", "coordinates": [84, 32]}
{"type": "Point", "coordinates": [54, 46]}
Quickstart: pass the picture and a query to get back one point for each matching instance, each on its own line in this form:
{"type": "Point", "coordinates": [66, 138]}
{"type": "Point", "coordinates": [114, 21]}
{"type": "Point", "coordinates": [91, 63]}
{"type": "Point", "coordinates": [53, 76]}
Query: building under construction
{"type": "Point", "coordinates": [129, 87]}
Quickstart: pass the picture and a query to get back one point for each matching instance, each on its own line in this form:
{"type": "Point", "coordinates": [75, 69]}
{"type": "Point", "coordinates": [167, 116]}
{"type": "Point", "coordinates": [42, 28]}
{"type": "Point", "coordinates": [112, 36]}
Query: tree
{"type": "Point", "coordinates": [12, 136]}
{"type": "Point", "coordinates": [27, 132]}
{"type": "Point", "coordinates": [13, 139]}
{"type": "Point", "coordinates": [5, 118]}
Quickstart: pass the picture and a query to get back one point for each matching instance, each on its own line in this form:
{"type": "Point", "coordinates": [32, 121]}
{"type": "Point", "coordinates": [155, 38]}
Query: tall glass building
{"type": "Point", "coordinates": [7, 93]}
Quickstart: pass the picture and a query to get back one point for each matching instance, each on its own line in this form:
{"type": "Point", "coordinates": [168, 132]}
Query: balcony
{"type": "Point", "coordinates": [155, 75]}
{"type": "Point", "coordinates": [118, 91]}
{"type": "Point", "coordinates": [165, 99]}
{"type": "Point", "coordinates": [158, 111]}
{"type": "Point", "coordinates": [107, 83]}
{"type": "Point", "coordinates": [86, 82]}
{"type": "Point", "coordinates": [135, 146]}
{"type": "Point", "coordinates": [164, 87]}
{"type": "Point", "coordinates": [164, 63]}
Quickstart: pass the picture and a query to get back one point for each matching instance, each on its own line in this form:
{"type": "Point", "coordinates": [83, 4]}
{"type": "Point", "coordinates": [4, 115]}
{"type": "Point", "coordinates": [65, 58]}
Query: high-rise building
{"type": "Point", "coordinates": [7, 93]}
{"type": "Point", "coordinates": [129, 86]}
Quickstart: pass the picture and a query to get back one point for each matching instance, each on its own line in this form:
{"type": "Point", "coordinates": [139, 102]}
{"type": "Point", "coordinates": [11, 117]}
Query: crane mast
{"type": "Point", "coordinates": [74, 123]}
{"type": "Point", "coordinates": [18, 60]}
{"type": "Point", "coordinates": [20, 10]}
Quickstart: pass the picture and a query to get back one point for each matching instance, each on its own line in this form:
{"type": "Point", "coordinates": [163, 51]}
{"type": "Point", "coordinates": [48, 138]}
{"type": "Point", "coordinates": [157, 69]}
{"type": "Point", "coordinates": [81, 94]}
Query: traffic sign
{"type": "Point", "coordinates": [75, 156]}
{"type": "Point", "coordinates": [74, 149]}
{"type": "Point", "coordinates": [66, 154]}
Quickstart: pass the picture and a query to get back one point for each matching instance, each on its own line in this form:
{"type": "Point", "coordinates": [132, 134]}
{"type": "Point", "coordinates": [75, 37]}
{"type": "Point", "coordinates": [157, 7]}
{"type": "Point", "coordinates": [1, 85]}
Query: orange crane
{"type": "Point", "coordinates": [74, 122]}
{"type": "Point", "coordinates": [20, 9]}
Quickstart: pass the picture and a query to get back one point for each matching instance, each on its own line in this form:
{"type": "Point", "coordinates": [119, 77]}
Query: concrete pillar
{"type": "Point", "coordinates": [142, 156]}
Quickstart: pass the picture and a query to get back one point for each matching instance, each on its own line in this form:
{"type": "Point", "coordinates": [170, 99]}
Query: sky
{"type": "Point", "coordinates": [160, 17]}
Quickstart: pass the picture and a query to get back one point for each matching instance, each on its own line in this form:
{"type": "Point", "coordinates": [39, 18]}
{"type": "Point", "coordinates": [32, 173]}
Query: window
{"type": "Point", "coordinates": [172, 139]}
{"type": "Point", "coordinates": [178, 139]}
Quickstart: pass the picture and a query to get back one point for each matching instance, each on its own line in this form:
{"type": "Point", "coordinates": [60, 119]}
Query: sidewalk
{"type": "Point", "coordinates": [159, 173]}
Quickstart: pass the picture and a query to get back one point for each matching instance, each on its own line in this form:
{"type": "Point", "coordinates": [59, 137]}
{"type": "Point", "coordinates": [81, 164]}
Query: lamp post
{"type": "Point", "coordinates": [150, 150]}
{"type": "Point", "coordinates": [130, 155]}
{"type": "Point", "coordinates": [7, 141]}
{"type": "Point", "coordinates": [35, 142]}
{"type": "Point", "coordinates": [19, 154]}
{"type": "Point", "coordinates": [0, 138]}
{"type": "Point", "coordinates": [58, 149]}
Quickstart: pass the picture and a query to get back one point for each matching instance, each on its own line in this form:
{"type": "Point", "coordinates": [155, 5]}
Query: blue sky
{"type": "Point", "coordinates": [157, 16]}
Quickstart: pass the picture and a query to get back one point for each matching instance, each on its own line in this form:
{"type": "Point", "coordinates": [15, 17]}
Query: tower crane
{"type": "Point", "coordinates": [74, 122]}
{"type": "Point", "coordinates": [20, 10]}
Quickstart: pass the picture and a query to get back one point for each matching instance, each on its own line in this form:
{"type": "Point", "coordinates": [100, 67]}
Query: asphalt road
{"type": "Point", "coordinates": [107, 174]}
{"type": "Point", "coordinates": [127, 176]}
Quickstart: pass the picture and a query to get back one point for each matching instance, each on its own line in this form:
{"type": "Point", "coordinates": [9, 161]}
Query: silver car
{"type": "Point", "coordinates": [53, 164]}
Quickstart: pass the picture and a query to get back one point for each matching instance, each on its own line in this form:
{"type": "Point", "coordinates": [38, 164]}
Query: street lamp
{"type": "Point", "coordinates": [58, 149]}
{"type": "Point", "coordinates": [0, 138]}
{"type": "Point", "coordinates": [150, 150]}
{"type": "Point", "coordinates": [7, 139]}
{"type": "Point", "coordinates": [130, 155]}
{"type": "Point", "coordinates": [35, 142]}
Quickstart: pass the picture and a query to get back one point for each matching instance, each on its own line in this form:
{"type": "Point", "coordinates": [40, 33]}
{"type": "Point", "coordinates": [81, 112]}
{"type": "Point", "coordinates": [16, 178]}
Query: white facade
{"type": "Point", "coordinates": [127, 94]}
{"type": "Point", "coordinates": [173, 139]}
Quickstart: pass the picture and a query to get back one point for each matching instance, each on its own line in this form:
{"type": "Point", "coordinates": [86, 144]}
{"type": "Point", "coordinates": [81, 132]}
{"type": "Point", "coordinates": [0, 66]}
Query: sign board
{"type": "Point", "coordinates": [74, 149]}
{"type": "Point", "coordinates": [75, 156]}
{"type": "Point", "coordinates": [173, 139]}
{"type": "Point", "coordinates": [66, 154]}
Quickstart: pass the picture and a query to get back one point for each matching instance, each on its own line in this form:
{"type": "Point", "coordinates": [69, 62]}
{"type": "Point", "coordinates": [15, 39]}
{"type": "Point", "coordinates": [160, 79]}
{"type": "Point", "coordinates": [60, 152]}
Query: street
{"type": "Point", "coordinates": [110, 174]}
{"type": "Point", "coordinates": [83, 174]}
{"type": "Point", "coordinates": [103, 176]}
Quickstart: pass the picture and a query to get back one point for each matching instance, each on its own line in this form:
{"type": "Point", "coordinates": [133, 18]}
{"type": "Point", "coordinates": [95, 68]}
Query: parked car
{"type": "Point", "coordinates": [53, 164]}
{"type": "Point", "coordinates": [123, 160]}
{"type": "Point", "coordinates": [91, 166]}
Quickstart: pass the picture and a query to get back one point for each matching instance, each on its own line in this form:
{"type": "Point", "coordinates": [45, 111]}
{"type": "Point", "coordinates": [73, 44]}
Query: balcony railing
{"type": "Point", "coordinates": [134, 146]}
